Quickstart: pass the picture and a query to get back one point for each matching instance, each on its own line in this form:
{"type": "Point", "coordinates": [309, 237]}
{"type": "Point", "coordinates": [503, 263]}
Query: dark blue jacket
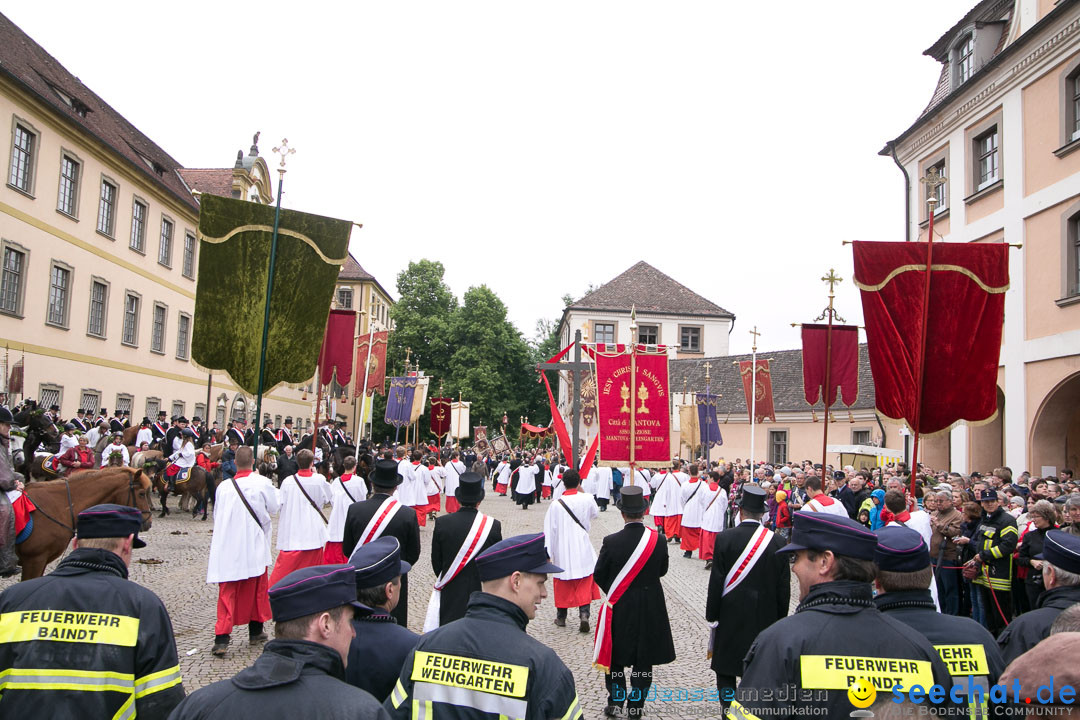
{"type": "Point", "coordinates": [377, 652]}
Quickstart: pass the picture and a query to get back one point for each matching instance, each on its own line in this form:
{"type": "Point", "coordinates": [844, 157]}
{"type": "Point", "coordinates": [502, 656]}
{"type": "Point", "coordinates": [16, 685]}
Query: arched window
{"type": "Point", "coordinates": [239, 409]}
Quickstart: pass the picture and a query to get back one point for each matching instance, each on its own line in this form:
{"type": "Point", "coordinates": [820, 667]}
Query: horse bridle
{"type": "Point", "coordinates": [71, 506]}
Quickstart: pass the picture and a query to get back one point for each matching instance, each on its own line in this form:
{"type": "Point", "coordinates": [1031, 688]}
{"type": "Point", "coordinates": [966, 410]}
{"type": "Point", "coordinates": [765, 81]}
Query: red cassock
{"type": "Point", "coordinates": [963, 329]}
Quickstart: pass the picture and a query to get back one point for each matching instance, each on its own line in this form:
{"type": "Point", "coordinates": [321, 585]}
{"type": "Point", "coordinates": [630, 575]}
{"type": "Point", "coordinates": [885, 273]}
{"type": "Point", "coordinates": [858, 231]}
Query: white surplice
{"type": "Point", "coordinates": [299, 525]}
{"type": "Point", "coordinates": [240, 549]}
{"type": "Point", "coordinates": [335, 532]}
{"type": "Point", "coordinates": [713, 511]}
{"type": "Point", "coordinates": [668, 500]}
{"type": "Point", "coordinates": [567, 543]}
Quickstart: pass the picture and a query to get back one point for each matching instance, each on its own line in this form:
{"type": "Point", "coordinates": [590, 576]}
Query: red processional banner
{"type": "Point", "coordinates": [842, 355]}
{"type": "Point", "coordinates": [535, 432]}
{"type": "Point", "coordinates": [762, 389]}
{"type": "Point", "coordinates": [376, 364]}
{"type": "Point", "coordinates": [963, 329]}
{"type": "Point", "coordinates": [335, 358]}
{"type": "Point", "coordinates": [440, 416]}
{"type": "Point", "coordinates": [645, 390]}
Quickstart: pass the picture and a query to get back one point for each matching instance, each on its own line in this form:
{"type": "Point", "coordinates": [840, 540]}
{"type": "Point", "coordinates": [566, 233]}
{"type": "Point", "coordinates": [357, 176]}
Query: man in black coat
{"type": "Point", "coordinates": [640, 631]}
{"type": "Point", "coordinates": [380, 647]}
{"type": "Point", "coordinates": [757, 597]}
{"type": "Point", "coordinates": [449, 537]}
{"type": "Point", "coordinates": [1061, 576]}
{"type": "Point", "coordinates": [382, 515]}
{"type": "Point", "coordinates": [286, 464]}
{"type": "Point", "coordinates": [301, 672]}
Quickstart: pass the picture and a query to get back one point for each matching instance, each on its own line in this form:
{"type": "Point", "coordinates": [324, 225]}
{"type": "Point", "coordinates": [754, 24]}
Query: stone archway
{"type": "Point", "coordinates": [988, 441]}
{"type": "Point", "coordinates": [239, 409]}
{"type": "Point", "coordinates": [1055, 434]}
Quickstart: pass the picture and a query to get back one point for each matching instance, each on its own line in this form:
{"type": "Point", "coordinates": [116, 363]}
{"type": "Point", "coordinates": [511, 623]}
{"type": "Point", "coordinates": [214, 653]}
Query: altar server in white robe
{"type": "Point", "coordinates": [714, 503]}
{"type": "Point", "coordinates": [566, 533]}
{"type": "Point", "coordinates": [667, 501]}
{"type": "Point", "coordinates": [640, 477]}
{"type": "Point", "coordinates": [411, 491]}
{"type": "Point", "coordinates": [454, 469]}
{"type": "Point", "coordinates": [502, 477]}
{"type": "Point", "coordinates": [240, 551]}
{"type": "Point", "coordinates": [525, 490]}
{"type": "Point", "coordinates": [600, 483]}
{"type": "Point", "coordinates": [344, 491]}
{"type": "Point", "coordinates": [302, 524]}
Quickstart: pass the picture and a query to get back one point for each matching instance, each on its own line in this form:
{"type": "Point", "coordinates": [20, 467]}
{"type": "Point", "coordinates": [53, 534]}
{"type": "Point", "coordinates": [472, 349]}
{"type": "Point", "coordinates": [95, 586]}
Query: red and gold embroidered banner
{"type": "Point", "coordinates": [645, 390]}
{"type": "Point", "coordinates": [843, 366]}
{"type": "Point", "coordinates": [440, 416]}
{"type": "Point", "coordinates": [376, 364]}
{"type": "Point", "coordinates": [963, 329]}
{"type": "Point", "coordinates": [535, 432]}
{"type": "Point", "coordinates": [335, 358]}
{"type": "Point", "coordinates": [762, 389]}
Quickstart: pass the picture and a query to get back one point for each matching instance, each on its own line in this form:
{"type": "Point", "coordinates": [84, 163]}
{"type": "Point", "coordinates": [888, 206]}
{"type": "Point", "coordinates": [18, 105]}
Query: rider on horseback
{"type": "Point", "coordinates": [182, 460]}
{"type": "Point", "coordinates": [80, 457]}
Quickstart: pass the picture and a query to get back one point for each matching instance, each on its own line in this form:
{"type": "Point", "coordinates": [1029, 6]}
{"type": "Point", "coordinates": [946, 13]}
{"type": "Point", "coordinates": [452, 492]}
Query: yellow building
{"type": "Point", "coordinates": [99, 253]}
{"type": "Point", "coordinates": [1003, 128]}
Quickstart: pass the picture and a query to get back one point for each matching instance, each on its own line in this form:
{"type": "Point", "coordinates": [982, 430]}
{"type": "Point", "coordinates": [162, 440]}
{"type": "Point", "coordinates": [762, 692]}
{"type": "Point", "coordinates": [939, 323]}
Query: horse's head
{"type": "Point", "coordinates": [139, 489]}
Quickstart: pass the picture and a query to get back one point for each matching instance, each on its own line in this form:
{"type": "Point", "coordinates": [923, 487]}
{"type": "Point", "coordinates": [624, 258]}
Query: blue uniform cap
{"type": "Point", "coordinates": [819, 531]}
{"type": "Point", "coordinates": [521, 553]}
{"type": "Point", "coordinates": [901, 549]}
{"type": "Point", "coordinates": [313, 589]}
{"type": "Point", "coordinates": [1061, 550]}
{"type": "Point", "coordinates": [378, 562]}
{"type": "Point", "coordinates": [110, 521]}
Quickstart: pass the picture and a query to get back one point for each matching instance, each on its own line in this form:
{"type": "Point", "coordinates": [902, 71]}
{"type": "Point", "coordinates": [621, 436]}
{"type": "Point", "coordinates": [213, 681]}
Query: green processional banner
{"type": "Point", "coordinates": [234, 263]}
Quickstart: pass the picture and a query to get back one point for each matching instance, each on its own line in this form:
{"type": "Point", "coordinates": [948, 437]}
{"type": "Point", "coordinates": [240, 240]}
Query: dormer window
{"type": "Point", "coordinates": [78, 106]}
{"type": "Point", "coordinates": [964, 58]}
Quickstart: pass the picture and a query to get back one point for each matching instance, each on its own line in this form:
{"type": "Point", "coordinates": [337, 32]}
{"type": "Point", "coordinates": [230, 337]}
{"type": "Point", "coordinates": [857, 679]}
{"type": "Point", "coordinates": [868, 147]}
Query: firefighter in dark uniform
{"type": "Point", "coordinates": [379, 569]}
{"type": "Point", "coordinates": [993, 543]}
{"type": "Point", "coordinates": [301, 672]}
{"type": "Point", "coordinates": [903, 582]}
{"type": "Point", "coordinates": [738, 608]}
{"type": "Point", "coordinates": [485, 665]}
{"type": "Point", "coordinates": [268, 437]}
{"type": "Point", "coordinates": [402, 525]}
{"type": "Point", "coordinates": [84, 641]}
{"type": "Point", "coordinates": [837, 636]}
{"type": "Point", "coordinates": [1060, 568]}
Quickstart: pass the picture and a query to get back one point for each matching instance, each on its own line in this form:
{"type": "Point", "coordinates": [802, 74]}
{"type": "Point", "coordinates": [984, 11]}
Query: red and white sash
{"type": "Point", "coordinates": [379, 521]}
{"type": "Point", "coordinates": [633, 566]}
{"type": "Point", "coordinates": [753, 552]}
{"type": "Point", "coordinates": [474, 540]}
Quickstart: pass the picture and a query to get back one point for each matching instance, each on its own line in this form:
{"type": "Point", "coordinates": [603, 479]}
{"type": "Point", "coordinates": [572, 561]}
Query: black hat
{"type": "Point", "coordinates": [110, 521]}
{"type": "Point", "coordinates": [196, 418]}
{"type": "Point", "coordinates": [313, 589]}
{"type": "Point", "coordinates": [839, 475]}
{"type": "Point", "coordinates": [161, 413]}
{"type": "Point", "coordinates": [174, 418]}
{"type": "Point", "coordinates": [378, 562]}
{"type": "Point", "coordinates": [145, 421]}
{"type": "Point", "coordinates": [80, 411]}
{"type": "Point", "coordinates": [386, 474]}
{"type": "Point", "coordinates": [988, 494]}
{"type": "Point", "coordinates": [341, 423]}
{"type": "Point", "coordinates": [1061, 550]}
{"type": "Point", "coordinates": [841, 535]}
{"type": "Point", "coordinates": [54, 408]}
{"type": "Point", "coordinates": [266, 423]}
{"type": "Point", "coordinates": [521, 553]}
{"type": "Point", "coordinates": [633, 500]}
{"type": "Point", "coordinates": [6, 416]}
{"type": "Point", "coordinates": [181, 419]}
{"type": "Point", "coordinates": [753, 499]}
{"type": "Point", "coordinates": [288, 421]}
{"type": "Point", "coordinates": [104, 411]}
{"type": "Point", "coordinates": [470, 487]}
{"type": "Point", "coordinates": [901, 549]}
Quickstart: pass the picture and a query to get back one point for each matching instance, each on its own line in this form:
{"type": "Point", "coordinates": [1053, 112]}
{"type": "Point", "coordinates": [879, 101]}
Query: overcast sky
{"type": "Point", "coordinates": [539, 147]}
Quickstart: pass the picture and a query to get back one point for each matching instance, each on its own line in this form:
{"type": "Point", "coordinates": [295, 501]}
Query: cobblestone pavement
{"type": "Point", "coordinates": [182, 544]}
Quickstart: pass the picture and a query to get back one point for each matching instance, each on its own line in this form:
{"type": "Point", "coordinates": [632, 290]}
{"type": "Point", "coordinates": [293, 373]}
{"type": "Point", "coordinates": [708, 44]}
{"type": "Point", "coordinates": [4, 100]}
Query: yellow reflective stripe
{"type": "Point", "coordinates": [155, 682]}
{"type": "Point", "coordinates": [398, 695]}
{"type": "Point", "coordinates": [127, 710]}
{"type": "Point", "coordinates": [69, 626]}
{"type": "Point", "coordinates": [738, 712]}
{"type": "Point", "coordinates": [421, 710]}
{"type": "Point", "coordinates": [1009, 529]}
{"type": "Point", "coordinates": [996, 552]}
{"type": "Point", "coordinates": [487, 703]}
{"type": "Point", "coordinates": [54, 679]}
{"type": "Point", "coordinates": [574, 711]}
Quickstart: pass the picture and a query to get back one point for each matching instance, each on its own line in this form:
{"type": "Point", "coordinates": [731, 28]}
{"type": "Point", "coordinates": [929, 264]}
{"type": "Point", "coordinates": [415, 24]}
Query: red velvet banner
{"type": "Point", "coordinates": [647, 390]}
{"type": "Point", "coordinates": [534, 432]}
{"type": "Point", "coordinates": [376, 365]}
{"type": "Point", "coordinates": [336, 358]}
{"type": "Point", "coordinates": [440, 416]}
{"type": "Point", "coordinates": [963, 331]}
{"type": "Point", "coordinates": [844, 366]}
{"type": "Point", "coordinates": [762, 388]}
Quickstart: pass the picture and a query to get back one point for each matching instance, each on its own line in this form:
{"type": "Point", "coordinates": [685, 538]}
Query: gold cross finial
{"type": "Point", "coordinates": [440, 388]}
{"type": "Point", "coordinates": [755, 333]}
{"type": "Point", "coordinates": [832, 278]}
{"type": "Point", "coordinates": [708, 367]}
{"type": "Point", "coordinates": [408, 354]}
{"type": "Point", "coordinates": [684, 387]}
{"type": "Point", "coordinates": [284, 151]}
{"type": "Point", "coordinates": [932, 181]}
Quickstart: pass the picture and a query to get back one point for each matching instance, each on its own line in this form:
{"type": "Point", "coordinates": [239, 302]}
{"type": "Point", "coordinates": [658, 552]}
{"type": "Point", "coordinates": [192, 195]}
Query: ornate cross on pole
{"type": "Point", "coordinates": [284, 151]}
{"type": "Point", "coordinates": [707, 366]}
{"type": "Point", "coordinates": [832, 278]}
{"type": "Point", "coordinates": [408, 354]}
{"type": "Point", "coordinates": [755, 333]}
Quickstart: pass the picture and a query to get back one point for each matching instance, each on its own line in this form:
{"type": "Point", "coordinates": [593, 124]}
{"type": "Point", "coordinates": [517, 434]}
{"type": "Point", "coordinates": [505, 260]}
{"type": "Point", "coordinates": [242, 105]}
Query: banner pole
{"type": "Point", "coordinates": [283, 150]}
{"type": "Point", "coordinates": [920, 358]}
{"type": "Point", "coordinates": [831, 279]}
{"type": "Point", "coordinates": [363, 396]}
{"type": "Point", "coordinates": [753, 397]}
{"type": "Point", "coordinates": [633, 388]}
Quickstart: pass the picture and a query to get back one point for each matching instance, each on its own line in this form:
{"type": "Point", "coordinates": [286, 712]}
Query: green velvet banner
{"type": "Point", "coordinates": [234, 262]}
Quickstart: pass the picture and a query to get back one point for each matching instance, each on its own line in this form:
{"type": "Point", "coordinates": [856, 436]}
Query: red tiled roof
{"type": "Point", "coordinates": [213, 181]}
{"type": "Point", "coordinates": [29, 65]}
{"type": "Point", "coordinates": [351, 270]}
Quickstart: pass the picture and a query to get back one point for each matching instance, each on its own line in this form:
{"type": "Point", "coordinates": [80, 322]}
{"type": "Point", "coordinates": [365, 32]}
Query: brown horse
{"type": "Point", "coordinates": [59, 503]}
{"type": "Point", "coordinates": [190, 489]}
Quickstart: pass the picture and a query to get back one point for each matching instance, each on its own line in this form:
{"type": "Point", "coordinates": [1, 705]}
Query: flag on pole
{"type": "Point", "coordinates": [230, 299]}
{"type": "Point", "coordinates": [376, 364]}
{"type": "Point", "coordinates": [440, 416]}
{"type": "Point", "coordinates": [419, 403]}
{"type": "Point", "coordinates": [480, 440]}
{"type": "Point", "coordinates": [843, 366]}
{"type": "Point", "coordinates": [762, 387]}
{"type": "Point", "coordinates": [688, 425]}
{"type": "Point", "coordinates": [400, 401]}
{"type": "Point", "coordinates": [336, 357]}
{"type": "Point", "coordinates": [15, 381]}
{"type": "Point", "coordinates": [459, 419]}
{"type": "Point", "coordinates": [710, 428]}
{"type": "Point", "coordinates": [963, 332]}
